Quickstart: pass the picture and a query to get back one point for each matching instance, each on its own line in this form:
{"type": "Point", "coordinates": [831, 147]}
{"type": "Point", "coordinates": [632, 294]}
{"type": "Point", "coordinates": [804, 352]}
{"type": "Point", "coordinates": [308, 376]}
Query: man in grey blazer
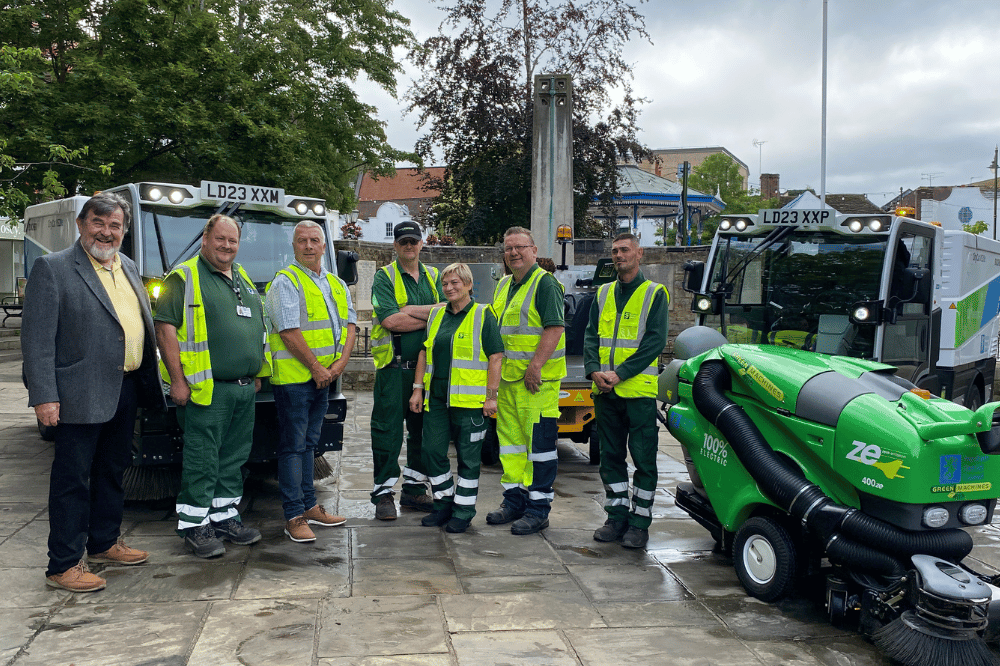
{"type": "Point", "coordinates": [89, 361]}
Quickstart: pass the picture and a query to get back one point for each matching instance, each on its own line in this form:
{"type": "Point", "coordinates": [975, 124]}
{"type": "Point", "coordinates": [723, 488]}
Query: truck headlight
{"type": "Point", "coordinates": [972, 514]}
{"type": "Point", "coordinates": [936, 516]}
{"type": "Point", "coordinates": [302, 208]}
{"type": "Point", "coordinates": [319, 209]}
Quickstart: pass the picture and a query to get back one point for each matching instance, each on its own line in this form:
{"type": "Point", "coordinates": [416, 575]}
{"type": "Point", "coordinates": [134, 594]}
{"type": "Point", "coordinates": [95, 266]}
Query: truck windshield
{"type": "Point", "coordinates": [797, 288]}
{"type": "Point", "coordinates": [172, 235]}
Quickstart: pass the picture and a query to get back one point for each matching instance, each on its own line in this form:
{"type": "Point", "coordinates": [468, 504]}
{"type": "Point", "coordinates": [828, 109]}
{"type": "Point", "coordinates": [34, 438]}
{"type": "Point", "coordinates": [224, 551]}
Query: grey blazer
{"type": "Point", "coordinates": [73, 344]}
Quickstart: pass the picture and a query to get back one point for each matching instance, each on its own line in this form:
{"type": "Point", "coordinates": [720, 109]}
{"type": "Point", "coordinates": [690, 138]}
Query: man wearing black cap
{"type": "Point", "coordinates": [402, 296]}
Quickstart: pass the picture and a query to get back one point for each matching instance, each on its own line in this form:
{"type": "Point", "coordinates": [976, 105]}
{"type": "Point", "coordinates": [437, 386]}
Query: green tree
{"type": "Point", "coordinates": [239, 90]}
{"type": "Point", "coordinates": [718, 173]}
{"type": "Point", "coordinates": [977, 227]}
{"type": "Point", "coordinates": [475, 101]}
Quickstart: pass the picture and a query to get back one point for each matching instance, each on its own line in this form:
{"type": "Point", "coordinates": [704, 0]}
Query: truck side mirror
{"type": "Point", "coordinates": [347, 266]}
{"type": "Point", "coordinates": [694, 274]}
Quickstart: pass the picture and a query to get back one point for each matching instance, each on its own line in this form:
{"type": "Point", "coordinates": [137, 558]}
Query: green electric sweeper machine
{"type": "Point", "coordinates": [842, 469]}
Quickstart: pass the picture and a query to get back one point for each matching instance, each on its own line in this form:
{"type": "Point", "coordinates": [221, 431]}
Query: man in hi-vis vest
{"type": "Point", "coordinates": [210, 331]}
{"type": "Point", "coordinates": [403, 294]}
{"type": "Point", "coordinates": [528, 304]}
{"type": "Point", "coordinates": [625, 336]}
{"type": "Point", "coordinates": [313, 328]}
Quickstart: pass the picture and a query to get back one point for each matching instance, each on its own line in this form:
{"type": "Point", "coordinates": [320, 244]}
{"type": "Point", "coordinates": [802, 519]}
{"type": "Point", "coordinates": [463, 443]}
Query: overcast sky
{"type": "Point", "coordinates": [913, 93]}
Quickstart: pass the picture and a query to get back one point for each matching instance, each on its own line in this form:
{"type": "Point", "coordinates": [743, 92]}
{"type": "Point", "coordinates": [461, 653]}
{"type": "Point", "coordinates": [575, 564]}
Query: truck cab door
{"type": "Point", "coordinates": [907, 336]}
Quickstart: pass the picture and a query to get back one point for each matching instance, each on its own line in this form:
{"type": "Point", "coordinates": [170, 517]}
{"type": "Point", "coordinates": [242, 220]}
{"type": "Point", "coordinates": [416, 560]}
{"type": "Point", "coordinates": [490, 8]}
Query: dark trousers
{"type": "Point", "coordinates": [301, 408]}
{"type": "Point", "coordinates": [86, 500]}
{"type": "Point", "coordinates": [393, 387]}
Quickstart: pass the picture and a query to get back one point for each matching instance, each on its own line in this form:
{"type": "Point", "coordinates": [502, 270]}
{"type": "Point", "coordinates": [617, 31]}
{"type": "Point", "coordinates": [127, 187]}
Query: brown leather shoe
{"type": "Point", "coordinates": [298, 530]}
{"type": "Point", "coordinates": [77, 579]}
{"type": "Point", "coordinates": [120, 554]}
{"type": "Point", "coordinates": [318, 516]}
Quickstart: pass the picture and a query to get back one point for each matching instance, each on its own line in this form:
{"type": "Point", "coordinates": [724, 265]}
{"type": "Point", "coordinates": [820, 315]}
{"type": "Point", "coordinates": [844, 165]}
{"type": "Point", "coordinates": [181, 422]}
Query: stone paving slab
{"type": "Point", "coordinates": [257, 633]}
{"type": "Point", "coordinates": [365, 626]}
{"type": "Point", "coordinates": [519, 611]}
{"type": "Point", "coordinates": [504, 648]}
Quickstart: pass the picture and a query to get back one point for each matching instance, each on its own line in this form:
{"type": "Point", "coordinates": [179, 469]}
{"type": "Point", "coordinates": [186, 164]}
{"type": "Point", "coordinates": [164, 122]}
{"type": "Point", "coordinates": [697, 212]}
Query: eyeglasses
{"type": "Point", "coordinates": [405, 242]}
{"type": "Point", "coordinates": [516, 248]}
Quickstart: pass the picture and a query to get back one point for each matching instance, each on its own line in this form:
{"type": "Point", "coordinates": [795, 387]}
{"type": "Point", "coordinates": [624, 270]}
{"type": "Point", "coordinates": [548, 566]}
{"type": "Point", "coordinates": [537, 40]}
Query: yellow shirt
{"type": "Point", "coordinates": [126, 305]}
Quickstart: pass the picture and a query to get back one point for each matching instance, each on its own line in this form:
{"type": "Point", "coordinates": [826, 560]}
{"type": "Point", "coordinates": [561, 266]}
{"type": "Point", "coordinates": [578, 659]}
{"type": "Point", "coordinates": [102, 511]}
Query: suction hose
{"type": "Point", "coordinates": [839, 527]}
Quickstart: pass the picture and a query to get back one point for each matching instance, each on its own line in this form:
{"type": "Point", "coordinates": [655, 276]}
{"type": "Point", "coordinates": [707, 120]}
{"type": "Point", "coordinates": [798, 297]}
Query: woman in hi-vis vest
{"type": "Point", "coordinates": [460, 367]}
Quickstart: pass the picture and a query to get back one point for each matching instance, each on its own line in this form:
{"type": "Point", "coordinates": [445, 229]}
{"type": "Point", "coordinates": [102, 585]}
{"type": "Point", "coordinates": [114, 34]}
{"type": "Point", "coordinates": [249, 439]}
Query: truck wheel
{"type": "Point", "coordinates": [491, 444]}
{"type": "Point", "coordinates": [764, 558]}
{"type": "Point", "coordinates": [595, 446]}
{"type": "Point", "coordinates": [974, 398]}
{"type": "Point", "coordinates": [48, 433]}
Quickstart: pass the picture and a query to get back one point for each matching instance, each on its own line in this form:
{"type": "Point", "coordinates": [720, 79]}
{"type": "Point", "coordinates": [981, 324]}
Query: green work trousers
{"type": "Point", "coordinates": [627, 425]}
{"type": "Point", "coordinates": [393, 388]}
{"type": "Point", "coordinates": [217, 441]}
{"type": "Point", "coordinates": [467, 428]}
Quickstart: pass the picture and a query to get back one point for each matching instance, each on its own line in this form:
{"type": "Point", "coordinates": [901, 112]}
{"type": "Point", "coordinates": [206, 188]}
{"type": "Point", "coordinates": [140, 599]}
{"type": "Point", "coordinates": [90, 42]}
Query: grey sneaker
{"type": "Point", "coordinates": [385, 508]}
{"type": "Point", "coordinates": [635, 537]}
{"type": "Point", "coordinates": [612, 530]}
{"type": "Point", "coordinates": [203, 542]}
{"type": "Point", "coordinates": [236, 532]}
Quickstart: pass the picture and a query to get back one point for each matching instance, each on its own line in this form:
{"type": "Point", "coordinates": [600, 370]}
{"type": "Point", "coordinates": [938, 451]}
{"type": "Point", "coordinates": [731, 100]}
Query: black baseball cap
{"type": "Point", "coordinates": [408, 229]}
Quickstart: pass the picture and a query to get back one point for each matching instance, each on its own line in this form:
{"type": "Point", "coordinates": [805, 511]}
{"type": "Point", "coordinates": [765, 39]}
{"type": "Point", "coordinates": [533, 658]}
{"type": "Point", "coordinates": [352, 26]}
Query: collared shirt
{"type": "Point", "coordinates": [418, 292]}
{"type": "Point", "coordinates": [548, 297]}
{"type": "Point", "coordinates": [282, 302]}
{"type": "Point", "coordinates": [235, 343]}
{"type": "Point", "coordinates": [490, 337]}
{"type": "Point", "coordinates": [126, 304]}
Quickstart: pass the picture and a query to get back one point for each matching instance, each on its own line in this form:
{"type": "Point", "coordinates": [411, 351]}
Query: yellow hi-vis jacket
{"type": "Point", "coordinates": [521, 330]}
{"type": "Point", "coordinates": [621, 334]}
{"type": "Point", "coordinates": [192, 336]}
{"type": "Point", "coordinates": [469, 363]}
{"type": "Point", "coordinates": [315, 325]}
{"type": "Point", "coordinates": [381, 336]}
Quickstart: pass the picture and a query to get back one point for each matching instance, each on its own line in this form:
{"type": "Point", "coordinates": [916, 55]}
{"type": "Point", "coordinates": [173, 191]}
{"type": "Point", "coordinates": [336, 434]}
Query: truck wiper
{"type": "Point", "coordinates": [773, 237]}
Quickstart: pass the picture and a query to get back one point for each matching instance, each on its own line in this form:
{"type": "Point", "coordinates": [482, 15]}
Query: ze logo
{"type": "Point", "coordinates": [626, 315]}
{"type": "Point", "coordinates": [865, 453]}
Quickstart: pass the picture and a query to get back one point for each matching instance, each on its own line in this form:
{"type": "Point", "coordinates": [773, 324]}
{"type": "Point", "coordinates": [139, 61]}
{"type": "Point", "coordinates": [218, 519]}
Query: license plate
{"type": "Point", "coordinates": [241, 193]}
{"type": "Point", "coordinates": [796, 216]}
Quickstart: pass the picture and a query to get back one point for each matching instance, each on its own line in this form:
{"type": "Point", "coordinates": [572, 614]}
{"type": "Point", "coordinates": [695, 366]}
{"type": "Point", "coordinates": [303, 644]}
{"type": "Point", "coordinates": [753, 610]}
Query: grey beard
{"type": "Point", "coordinates": [101, 255]}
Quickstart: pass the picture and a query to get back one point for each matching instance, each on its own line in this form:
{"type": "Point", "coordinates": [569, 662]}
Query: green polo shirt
{"type": "Point", "coordinates": [653, 342]}
{"type": "Point", "coordinates": [417, 293]}
{"type": "Point", "coordinates": [491, 340]}
{"type": "Point", "coordinates": [235, 343]}
{"type": "Point", "coordinates": [548, 297]}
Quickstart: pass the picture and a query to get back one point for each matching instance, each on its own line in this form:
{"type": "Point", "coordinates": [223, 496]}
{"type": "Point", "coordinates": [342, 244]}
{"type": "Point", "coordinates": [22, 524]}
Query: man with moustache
{"type": "Point", "coordinates": [211, 334]}
{"type": "Point", "coordinates": [403, 294]}
{"type": "Point", "coordinates": [89, 362]}
{"type": "Point", "coordinates": [528, 304]}
{"type": "Point", "coordinates": [625, 336]}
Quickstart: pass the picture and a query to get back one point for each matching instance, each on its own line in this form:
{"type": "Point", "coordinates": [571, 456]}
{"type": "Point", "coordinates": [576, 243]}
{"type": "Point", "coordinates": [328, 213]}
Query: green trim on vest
{"type": "Point", "coordinates": [521, 329]}
{"type": "Point", "coordinates": [381, 336]}
{"type": "Point", "coordinates": [621, 334]}
{"type": "Point", "coordinates": [315, 325]}
{"type": "Point", "coordinates": [469, 362]}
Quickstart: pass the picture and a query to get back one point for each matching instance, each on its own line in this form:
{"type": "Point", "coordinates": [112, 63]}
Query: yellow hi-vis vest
{"type": "Point", "coordinates": [192, 336]}
{"type": "Point", "coordinates": [469, 363]}
{"type": "Point", "coordinates": [315, 325]}
{"type": "Point", "coordinates": [521, 330]}
{"type": "Point", "coordinates": [381, 336]}
{"type": "Point", "coordinates": [621, 334]}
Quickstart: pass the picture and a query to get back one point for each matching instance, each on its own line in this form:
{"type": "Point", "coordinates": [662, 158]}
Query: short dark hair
{"type": "Point", "coordinates": [626, 236]}
{"type": "Point", "coordinates": [218, 217]}
{"type": "Point", "coordinates": [104, 203]}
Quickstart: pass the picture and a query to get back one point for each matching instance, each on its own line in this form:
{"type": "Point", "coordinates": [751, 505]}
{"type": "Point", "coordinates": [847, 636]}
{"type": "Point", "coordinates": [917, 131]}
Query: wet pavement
{"type": "Point", "coordinates": [373, 592]}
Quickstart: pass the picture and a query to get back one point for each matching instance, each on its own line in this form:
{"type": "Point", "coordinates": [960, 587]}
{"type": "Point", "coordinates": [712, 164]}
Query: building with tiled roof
{"type": "Point", "coordinates": [409, 187]}
{"type": "Point", "coordinates": [666, 160]}
{"type": "Point", "coordinates": [849, 204]}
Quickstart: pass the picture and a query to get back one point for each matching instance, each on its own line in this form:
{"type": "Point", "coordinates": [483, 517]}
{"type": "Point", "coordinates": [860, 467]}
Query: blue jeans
{"type": "Point", "coordinates": [301, 408]}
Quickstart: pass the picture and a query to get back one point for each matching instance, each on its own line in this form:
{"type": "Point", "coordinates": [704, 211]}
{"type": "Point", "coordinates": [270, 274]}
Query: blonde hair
{"type": "Point", "coordinates": [463, 272]}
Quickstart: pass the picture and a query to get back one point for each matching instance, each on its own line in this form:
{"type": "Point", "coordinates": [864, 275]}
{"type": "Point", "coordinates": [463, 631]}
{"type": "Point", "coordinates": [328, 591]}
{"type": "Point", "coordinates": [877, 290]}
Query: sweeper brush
{"type": "Point", "coordinates": [803, 463]}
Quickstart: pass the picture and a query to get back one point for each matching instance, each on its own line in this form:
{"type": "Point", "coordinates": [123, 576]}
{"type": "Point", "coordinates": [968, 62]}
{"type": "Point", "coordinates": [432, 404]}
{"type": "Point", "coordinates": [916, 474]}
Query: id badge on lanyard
{"type": "Point", "coordinates": [241, 310]}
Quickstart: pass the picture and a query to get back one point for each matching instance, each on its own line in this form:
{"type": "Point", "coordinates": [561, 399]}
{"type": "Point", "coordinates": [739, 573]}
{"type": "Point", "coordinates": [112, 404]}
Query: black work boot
{"type": "Point", "coordinates": [436, 518]}
{"type": "Point", "coordinates": [612, 530]}
{"type": "Point", "coordinates": [203, 542]}
{"type": "Point", "coordinates": [635, 537]}
{"type": "Point", "coordinates": [236, 532]}
{"type": "Point", "coordinates": [505, 514]}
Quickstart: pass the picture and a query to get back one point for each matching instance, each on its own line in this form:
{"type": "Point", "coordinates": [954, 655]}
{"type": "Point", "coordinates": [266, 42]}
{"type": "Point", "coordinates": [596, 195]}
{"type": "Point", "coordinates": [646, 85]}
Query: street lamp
{"type": "Point", "coordinates": [994, 167]}
{"type": "Point", "coordinates": [564, 236]}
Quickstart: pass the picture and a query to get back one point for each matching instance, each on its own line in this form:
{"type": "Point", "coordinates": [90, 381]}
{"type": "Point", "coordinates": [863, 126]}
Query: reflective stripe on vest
{"type": "Point", "coordinates": [469, 363]}
{"type": "Point", "coordinates": [381, 336]}
{"type": "Point", "coordinates": [315, 325]}
{"type": "Point", "coordinates": [521, 329]}
{"type": "Point", "coordinates": [621, 334]}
